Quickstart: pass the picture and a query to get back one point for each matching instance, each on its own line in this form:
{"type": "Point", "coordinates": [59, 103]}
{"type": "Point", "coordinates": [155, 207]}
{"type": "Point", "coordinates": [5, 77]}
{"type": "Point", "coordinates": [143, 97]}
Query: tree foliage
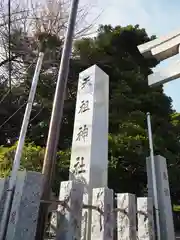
{"type": "Point", "coordinates": [130, 100]}
{"type": "Point", "coordinates": [32, 160]}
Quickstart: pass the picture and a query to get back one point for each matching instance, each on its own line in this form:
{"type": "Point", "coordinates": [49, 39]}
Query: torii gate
{"type": "Point", "coordinates": [161, 49]}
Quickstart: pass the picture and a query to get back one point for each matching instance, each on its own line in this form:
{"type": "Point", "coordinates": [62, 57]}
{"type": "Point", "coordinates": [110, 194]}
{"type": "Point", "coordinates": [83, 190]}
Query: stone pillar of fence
{"type": "Point", "coordinates": [3, 191]}
{"type": "Point", "coordinates": [102, 223]}
{"type": "Point", "coordinates": [145, 218]}
{"type": "Point", "coordinates": [24, 213]}
{"type": "Point", "coordinates": [70, 211]}
{"type": "Point", "coordinates": [126, 216]}
{"type": "Point", "coordinates": [54, 220]}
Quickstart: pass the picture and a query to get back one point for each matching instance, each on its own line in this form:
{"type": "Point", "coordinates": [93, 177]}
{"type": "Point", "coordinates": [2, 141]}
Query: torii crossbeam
{"type": "Point", "coordinates": [161, 49]}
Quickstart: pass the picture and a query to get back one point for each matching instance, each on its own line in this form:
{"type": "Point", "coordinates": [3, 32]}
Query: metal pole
{"type": "Point", "coordinates": [18, 154]}
{"type": "Point", "coordinates": [154, 182]}
{"type": "Point", "coordinates": [56, 118]}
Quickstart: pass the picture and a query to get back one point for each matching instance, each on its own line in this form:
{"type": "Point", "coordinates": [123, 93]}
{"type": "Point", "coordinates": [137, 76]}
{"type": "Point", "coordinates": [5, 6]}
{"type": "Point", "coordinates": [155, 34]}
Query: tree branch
{"type": "Point", "coordinates": [7, 60]}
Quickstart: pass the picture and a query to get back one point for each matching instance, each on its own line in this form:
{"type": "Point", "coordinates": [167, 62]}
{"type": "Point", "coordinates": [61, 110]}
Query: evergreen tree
{"type": "Point", "coordinates": [130, 100]}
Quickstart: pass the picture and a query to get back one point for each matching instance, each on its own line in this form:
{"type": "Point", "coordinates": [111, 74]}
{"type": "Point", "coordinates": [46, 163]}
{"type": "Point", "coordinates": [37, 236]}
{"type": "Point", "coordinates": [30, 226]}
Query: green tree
{"type": "Point", "coordinates": [130, 99]}
{"type": "Point", "coordinates": [32, 160]}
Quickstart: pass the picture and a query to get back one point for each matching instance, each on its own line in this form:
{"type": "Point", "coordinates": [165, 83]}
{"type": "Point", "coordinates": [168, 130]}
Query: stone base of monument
{"type": "Point", "coordinates": [24, 213]}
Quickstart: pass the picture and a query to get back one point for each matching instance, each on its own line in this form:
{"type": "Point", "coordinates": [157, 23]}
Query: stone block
{"type": "Point", "coordinates": [70, 212]}
{"type": "Point", "coordinates": [3, 192]}
{"type": "Point", "coordinates": [164, 196]}
{"type": "Point", "coordinates": [126, 216]}
{"type": "Point", "coordinates": [25, 206]}
{"type": "Point", "coordinates": [103, 220]}
{"type": "Point", "coordinates": [145, 219]}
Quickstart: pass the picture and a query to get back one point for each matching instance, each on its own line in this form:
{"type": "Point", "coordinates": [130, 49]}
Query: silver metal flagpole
{"type": "Point", "coordinates": [154, 182]}
{"type": "Point", "coordinates": [18, 154]}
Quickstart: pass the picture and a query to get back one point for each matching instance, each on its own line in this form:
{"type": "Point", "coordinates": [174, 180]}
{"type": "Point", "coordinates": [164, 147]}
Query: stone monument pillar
{"type": "Point", "coordinates": [89, 157]}
{"type": "Point", "coordinates": [164, 197]}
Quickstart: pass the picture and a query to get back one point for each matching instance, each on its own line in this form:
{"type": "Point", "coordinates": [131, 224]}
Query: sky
{"type": "Point", "coordinates": [158, 17]}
